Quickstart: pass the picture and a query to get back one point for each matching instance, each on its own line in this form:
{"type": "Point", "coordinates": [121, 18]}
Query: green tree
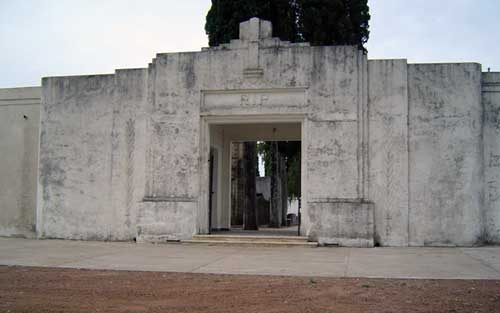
{"type": "Point", "coordinates": [334, 22]}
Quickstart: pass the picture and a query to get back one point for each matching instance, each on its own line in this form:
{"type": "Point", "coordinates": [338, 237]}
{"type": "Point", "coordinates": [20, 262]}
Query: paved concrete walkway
{"type": "Point", "coordinates": [463, 263]}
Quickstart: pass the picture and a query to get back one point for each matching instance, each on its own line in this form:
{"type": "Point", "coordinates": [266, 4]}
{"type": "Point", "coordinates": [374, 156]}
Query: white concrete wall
{"type": "Point", "coordinates": [19, 130]}
{"type": "Point", "coordinates": [92, 146]}
{"type": "Point", "coordinates": [127, 154]}
{"type": "Point", "coordinates": [491, 103]}
{"type": "Point", "coordinates": [388, 188]}
{"type": "Point", "coordinates": [343, 223]}
{"type": "Point", "coordinates": [426, 153]}
{"type": "Point", "coordinates": [445, 154]}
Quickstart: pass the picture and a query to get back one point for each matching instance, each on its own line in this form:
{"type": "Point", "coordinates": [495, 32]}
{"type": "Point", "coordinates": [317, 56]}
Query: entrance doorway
{"type": "Point", "coordinates": [278, 207]}
{"type": "Point", "coordinates": [277, 188]}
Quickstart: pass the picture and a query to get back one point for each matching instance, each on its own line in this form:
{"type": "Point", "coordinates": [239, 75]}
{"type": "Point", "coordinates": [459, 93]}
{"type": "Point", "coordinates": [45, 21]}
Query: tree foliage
{"type": "Point", "coordinates": [334, 22]}
{"type": "Point", "coordinates": [319, 22]}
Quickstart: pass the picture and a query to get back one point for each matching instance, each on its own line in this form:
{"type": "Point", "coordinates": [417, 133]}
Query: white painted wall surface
{"type": "Point", "coordinates": [92, 144]}
{"type": "Point", "coordinates": [491, 103]}
{"type": "Point", "coordinates": [445, 155]}
{"type": "Point", "coordinates": [388, 125]}
{"type": "Point", "coordinates": [19, 127]}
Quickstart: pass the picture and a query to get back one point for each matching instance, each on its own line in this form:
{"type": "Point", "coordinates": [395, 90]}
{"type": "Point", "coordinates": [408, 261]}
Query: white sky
{"type": "Point", "coordinates": [41, 38]}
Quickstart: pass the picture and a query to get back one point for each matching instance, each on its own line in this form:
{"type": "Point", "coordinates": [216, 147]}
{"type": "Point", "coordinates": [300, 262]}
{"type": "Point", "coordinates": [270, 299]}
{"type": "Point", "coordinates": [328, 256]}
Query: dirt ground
{"type": "Point", "coordinates": [27, 289]}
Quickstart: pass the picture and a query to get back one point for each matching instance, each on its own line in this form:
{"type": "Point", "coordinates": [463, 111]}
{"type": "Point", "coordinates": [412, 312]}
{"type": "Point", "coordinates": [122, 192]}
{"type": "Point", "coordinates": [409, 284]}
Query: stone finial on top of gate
{"type": "Point", "coordinates": [255, 29]}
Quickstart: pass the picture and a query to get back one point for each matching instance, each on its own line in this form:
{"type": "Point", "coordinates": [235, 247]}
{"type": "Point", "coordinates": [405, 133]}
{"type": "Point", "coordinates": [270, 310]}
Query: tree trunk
{"type": "Point", "coordinates": [284, 191]}
{"type": "Point", "coordinates": [250, 213]}
{"type": "Point", "coordinates": [275, 214]}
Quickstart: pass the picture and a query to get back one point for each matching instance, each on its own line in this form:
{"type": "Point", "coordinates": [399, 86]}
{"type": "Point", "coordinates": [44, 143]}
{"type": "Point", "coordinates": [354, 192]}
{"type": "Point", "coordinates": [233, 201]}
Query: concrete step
{"type": "Point", "coordinates": [252, 243]}
{"type": "Point", "coordinates": [251, 240]}
{"type": "Point", "coordinates": [251, 237]}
